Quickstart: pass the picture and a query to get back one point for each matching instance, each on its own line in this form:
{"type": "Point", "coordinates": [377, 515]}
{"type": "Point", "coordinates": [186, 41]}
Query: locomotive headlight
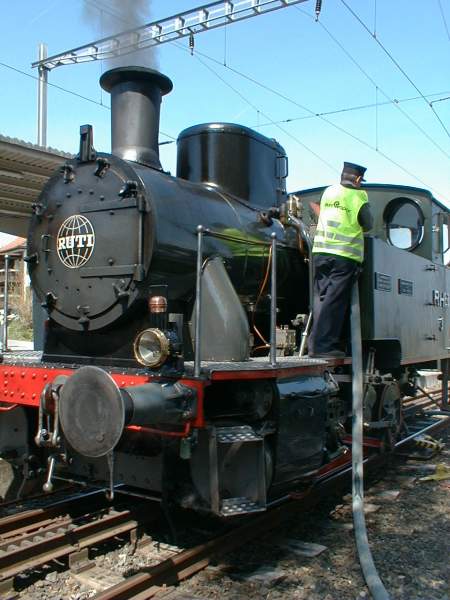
{"type": "Point", "coordinates": [151, 348]}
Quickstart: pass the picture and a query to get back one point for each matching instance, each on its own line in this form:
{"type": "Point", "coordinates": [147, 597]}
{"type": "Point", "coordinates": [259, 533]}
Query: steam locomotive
{"type": "Point", "coordinates": [176, 306]}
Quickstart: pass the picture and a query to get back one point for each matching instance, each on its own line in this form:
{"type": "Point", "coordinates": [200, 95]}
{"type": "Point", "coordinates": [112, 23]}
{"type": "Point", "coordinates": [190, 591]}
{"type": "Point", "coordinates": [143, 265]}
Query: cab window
{"type": "Point", "coordinates": [404, 223]}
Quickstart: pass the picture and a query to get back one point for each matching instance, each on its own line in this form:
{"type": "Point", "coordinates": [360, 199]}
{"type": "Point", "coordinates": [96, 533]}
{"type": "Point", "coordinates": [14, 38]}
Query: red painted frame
{"type": "Point", "coordinates": [22, 384]}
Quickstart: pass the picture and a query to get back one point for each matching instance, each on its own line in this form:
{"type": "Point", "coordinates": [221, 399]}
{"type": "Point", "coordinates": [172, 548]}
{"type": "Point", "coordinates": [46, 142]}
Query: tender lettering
{"type": "Point", "coordinates": [440, 298]}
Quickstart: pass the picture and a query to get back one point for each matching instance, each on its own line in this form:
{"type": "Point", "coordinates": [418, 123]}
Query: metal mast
{"type": "Point", "coordinates": [197, 20]}
{"type": "Point", "coordinates": [42, 99]}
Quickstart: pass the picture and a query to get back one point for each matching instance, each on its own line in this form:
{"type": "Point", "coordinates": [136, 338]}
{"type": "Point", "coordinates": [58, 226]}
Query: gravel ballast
{"type": "Point", "coordinates": [311, 556]}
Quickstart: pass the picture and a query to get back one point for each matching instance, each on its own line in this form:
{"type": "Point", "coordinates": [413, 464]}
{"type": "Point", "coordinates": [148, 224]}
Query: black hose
{"type": "Point", "coordinates": [374, 583]}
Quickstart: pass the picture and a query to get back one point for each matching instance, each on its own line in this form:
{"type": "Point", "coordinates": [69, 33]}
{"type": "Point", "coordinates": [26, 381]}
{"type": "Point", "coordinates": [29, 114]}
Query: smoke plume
{"type": "Point", "coordinates": [108, 17]}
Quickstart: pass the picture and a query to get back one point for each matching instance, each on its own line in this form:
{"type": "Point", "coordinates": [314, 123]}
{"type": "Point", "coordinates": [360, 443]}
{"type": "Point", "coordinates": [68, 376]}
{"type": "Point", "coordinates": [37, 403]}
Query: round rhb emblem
{"type": "Point", "coordinates": [75, 241]}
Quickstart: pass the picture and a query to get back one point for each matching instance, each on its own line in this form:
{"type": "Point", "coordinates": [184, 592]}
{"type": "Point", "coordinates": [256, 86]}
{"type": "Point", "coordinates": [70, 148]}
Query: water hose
{"type": "Point", "coordinates": [373, 581]}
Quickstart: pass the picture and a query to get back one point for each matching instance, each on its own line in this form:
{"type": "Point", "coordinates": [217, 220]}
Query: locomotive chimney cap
{"type": "Point", "coordinates": [111, 78]}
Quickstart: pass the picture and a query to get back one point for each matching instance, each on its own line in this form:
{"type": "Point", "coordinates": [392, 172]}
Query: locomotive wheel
{"type": "Point", "coordinates": [390, 409]}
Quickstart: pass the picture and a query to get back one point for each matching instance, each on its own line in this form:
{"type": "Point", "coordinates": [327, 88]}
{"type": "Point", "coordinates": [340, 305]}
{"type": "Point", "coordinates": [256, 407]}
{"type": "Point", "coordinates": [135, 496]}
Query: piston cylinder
{"type": "Point", "coordinates": [94, 411]}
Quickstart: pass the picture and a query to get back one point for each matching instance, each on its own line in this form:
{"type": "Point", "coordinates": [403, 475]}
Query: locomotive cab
{"type": "Point", "coordinates": [404, 274]}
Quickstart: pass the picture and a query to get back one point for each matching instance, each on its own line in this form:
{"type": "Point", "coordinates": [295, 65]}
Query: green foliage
{"type": "Point", "coordinates": [20, 316]}
{"type": "Point", "coordinates": [20, 330]}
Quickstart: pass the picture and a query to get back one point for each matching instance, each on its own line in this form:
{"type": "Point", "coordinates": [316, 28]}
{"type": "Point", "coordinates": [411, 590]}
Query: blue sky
{"type": "Point", "coordinates": [317, 68]}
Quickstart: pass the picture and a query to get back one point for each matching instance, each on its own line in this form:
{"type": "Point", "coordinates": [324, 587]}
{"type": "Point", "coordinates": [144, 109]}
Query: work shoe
{"type": "Point", "coordinates": [330, 354]}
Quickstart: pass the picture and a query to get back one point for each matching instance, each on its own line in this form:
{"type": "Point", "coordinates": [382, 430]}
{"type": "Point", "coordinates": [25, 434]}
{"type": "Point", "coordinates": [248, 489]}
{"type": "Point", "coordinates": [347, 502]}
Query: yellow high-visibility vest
{"type": "Point", "coordinates": [338, 231]}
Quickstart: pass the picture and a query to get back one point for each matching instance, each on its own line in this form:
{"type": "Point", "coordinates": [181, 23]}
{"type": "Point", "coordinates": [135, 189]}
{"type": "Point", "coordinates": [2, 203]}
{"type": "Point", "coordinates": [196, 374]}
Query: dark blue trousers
{"type": "Point", "coordinates": [333, 280]}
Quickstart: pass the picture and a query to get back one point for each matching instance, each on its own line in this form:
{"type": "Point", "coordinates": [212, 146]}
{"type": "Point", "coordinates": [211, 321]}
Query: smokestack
{"type": "Point", "coordinates": [136, 94]}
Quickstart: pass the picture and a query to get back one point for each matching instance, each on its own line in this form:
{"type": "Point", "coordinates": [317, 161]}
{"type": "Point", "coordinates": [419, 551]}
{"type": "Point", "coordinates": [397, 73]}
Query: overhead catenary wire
{"type": "Point", "coordinates": [339, 128]}
{"type": "Point", "coordinates": [440, 100]}
{"type": "Point", "coordinates": [245, 99]}
{"type": "Point", "coordinates": [396, 63]}
{"type": "Point", "coordinates": [312, 113]}
{"type": "Point", "coordinates": [357, 107]}
{"type": "Point", "coordinates": [67, 91]}
{"type": "Point", "coordinates": [376, 85]}
{"type": "Point", "coordinates": [444, 19]}
{"type": "Point", "coordinates": [356, 138]}
{"type": "Point", "coordinates": [263, 86]}
{"type": "Point", "coordinates": [294, 138]}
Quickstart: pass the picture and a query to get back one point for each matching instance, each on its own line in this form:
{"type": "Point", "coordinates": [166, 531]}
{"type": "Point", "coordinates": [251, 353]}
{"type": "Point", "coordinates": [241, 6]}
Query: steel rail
{"type": "Point", "coordinates": [33, 517]}
{"type": "Point", "coordinates": [32, 538]}
{"type": "Point", "coordinates": [188, 562]}
{"type": "Point", "coordinates": [54, 538]}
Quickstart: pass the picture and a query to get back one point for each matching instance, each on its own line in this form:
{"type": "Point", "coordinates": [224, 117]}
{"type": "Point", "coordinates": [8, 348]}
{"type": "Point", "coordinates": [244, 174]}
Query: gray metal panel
{"type": "Point", "coordinates": [398, 301]}
{"type": "Point", "coordinates": [225, 332]}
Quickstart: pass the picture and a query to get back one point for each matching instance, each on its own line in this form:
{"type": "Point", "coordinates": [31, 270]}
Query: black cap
{"type": "Point", "coordinates": [353, 170]}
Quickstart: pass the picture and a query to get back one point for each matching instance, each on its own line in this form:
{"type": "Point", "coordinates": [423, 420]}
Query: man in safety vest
{"type": "Point", "coordinates": [338, 254]}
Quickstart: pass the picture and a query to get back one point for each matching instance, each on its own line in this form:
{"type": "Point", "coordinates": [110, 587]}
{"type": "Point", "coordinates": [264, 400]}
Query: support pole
{"type": "Point", "coordinates": [5, 306]}
{"type": "Point", "coordinates": [273, 304]}
{"type": "Point", "coordinates": [445, 373]}
{"type": "Point", "coordinates": [42, 99]}
{"type": "Point", "coordinates": [198, 302]}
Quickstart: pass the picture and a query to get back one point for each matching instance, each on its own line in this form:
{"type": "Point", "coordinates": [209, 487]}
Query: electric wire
{"type": "Point", "coordinates": [71, 92]}
{"type": "Point", "coordinates": [312, 114]}
{"type": "Point", "coordinates": [396, 63]}
{"type": "Point", "coordinates": [375, 18]}
{"type": "Point", "coordinates": [440, 99]}
{"type": "Point", "coordinates": [245, 99]}
{"type": "Point", "coordinates": [444, 19]}
{"type": "Point", "coordinates": [376, 85]}
{"type": "Point", "coordinates": [54, 85]}
{"type": "Point", "coordinates": [224, 64]}
{"type": "Point", "coordinates": [321, 115]}
{"type": "Point", "coordinates": [318, 115]}
{"type": "Point", "coordinates": [355, 108]}
{"type": "Point", "coordinates": [339, 128]}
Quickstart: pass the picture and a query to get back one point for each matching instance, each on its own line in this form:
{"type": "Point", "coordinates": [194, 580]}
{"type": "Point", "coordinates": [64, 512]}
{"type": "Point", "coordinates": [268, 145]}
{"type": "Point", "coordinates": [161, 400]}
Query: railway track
{"type": "Point", "coordinates": [150, 582]}
{"type": "Point", "coordinates": [67, 529]}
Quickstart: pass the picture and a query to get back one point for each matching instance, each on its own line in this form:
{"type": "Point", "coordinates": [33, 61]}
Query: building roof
{"type": "Point", "coordinates": [15, 244]}
{"type": "Point", "coordinates": [24, 170]}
